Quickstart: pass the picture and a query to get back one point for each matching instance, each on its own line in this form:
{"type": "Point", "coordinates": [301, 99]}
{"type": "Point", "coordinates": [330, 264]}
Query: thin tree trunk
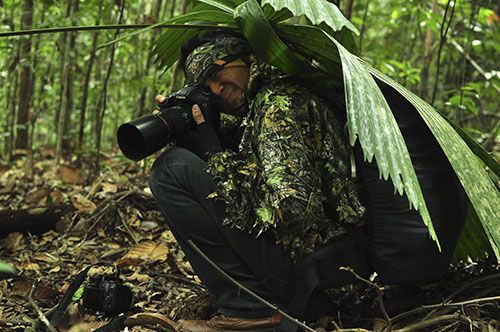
{"type": "Point", "coordinates": [64, 89]}
{"type": "Point", "coordinates": [177, 77]}
{"type": "Point", "coordinates": [13, 112]}
{"type": "Point", "coordinates": [72, 56]}
{"type": "Point", "coordinates": [363, 26]}
{"type": "Point", "coordinates": [155, 12]}
{"type": "Point", "coordinates": [85, 89]}
{"type": "Point", "coordinates": [10, 102]}
{"type": "Point", "coordinates": [25, 79]}
{"type": "Point", "coordinates": [36, 111]}
{"type": "Point", "coordinates": [102, 105]}
{"type": "Point", "coordinates": [427, 57]}
{"type": "Point", "coordinates": [348, 9]}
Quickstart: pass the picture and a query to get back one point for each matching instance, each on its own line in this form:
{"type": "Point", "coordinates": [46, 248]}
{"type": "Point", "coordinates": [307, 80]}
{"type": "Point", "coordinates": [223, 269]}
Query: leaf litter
{"type": "Point", "coordinates": [114, 220]}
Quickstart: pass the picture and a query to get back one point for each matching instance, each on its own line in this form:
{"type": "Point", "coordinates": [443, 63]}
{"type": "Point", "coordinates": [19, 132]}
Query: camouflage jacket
{"type": "Point", "coordinates": [290, 175]}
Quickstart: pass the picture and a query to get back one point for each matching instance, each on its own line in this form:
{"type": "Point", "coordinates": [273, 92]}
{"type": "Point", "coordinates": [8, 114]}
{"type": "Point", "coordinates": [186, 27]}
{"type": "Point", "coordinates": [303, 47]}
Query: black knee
{"type": "Point", "coordinates": [168, 166]}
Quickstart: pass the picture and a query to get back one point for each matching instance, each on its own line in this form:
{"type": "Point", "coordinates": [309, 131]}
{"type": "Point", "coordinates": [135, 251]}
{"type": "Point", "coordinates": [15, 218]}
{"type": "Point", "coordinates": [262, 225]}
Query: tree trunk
{"type": "Point", "coordinates": [427, 58]}
{"type": "Point", "coordinates": [177, 76]}
{"type": "Point", "coordinates": [155, 12]}
{"type": "Point", "coordinates": [66, 143]}
{"type": "Point", "coordinates": [348, 9]}
{"type": "Point", "coordinates": [36, 110]}
{"type": "Point", "coordinates": [64, 88]}
{"type": "Point", "coordinates": [102, 105]}
{"type": "Point", "coordinates": [10, 102]}
{"type": "Point", "coordinates": [25, 79]}
{"type": "Point", "coordinates": [85, 89]}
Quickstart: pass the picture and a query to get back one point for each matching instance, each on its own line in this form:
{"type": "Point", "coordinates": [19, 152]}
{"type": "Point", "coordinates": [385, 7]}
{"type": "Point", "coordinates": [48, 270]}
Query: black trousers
{"type": "Point", "coordinates": [180, 185]}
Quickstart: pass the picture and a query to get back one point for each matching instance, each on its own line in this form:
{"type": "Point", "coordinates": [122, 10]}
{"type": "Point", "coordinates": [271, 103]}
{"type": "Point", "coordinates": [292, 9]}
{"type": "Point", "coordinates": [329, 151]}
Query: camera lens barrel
{"type": "Point", "coordinates": [139, 138]}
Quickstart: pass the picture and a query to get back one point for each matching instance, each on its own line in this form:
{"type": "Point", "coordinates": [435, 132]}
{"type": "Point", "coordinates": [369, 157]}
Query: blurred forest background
{"type": "Point", "coordinates": [63, 97]}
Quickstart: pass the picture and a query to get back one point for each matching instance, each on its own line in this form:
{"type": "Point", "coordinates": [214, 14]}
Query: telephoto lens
{"type": "Point", "coordinates": [142, 137]}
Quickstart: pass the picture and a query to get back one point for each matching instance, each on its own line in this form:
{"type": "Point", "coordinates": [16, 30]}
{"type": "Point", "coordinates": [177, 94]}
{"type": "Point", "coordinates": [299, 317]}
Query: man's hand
{"type": "Point", "coordinates": [160, 99]}
{"type": "Point", "coordinates": [202, 140]}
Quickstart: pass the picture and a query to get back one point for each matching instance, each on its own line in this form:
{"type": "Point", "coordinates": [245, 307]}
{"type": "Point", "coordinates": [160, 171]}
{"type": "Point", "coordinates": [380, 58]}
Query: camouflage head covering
{"type": "Point", "coordinates": [209, 58]}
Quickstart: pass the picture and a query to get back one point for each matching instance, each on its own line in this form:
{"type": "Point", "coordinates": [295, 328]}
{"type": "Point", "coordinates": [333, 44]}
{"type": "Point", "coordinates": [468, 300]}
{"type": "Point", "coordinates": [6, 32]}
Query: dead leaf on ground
{"type": "Point", "coordinates": [70, 174]}
{"type": "Point", "coordinates": [37, 197]}
{"type": "Point", "coordinates": [109, 187]}
{"type": "Point", "coordinates": [44, 291]}
{"type": "Point", "coordinates": [147, 251]}
{"type": "Point", "coordinates": [13, 240]}
{"type": "Point", "coordinates": [151, 320]}
{"type": "Point", "coordinates": [82, 204]}
{"type": "Point", "coordinates": [8, 188]}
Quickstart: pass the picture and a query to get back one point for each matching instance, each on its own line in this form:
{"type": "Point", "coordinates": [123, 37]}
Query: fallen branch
{"type": "Point", "coordinates": [380, 291]}
{"type": "Point", "coordinates": [35, 306]}
{"type": "Point", "coordinates": [433, 321]}
{"type": "Point", "coordinates": [445, 305]}
{"type": "Point", "coordinates": [34, 220]}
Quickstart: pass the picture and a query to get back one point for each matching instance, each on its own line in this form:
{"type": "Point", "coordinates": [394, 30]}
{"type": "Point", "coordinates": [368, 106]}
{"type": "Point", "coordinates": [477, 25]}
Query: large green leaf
{"type": "Point", "coordinates": [370, 120]}
{"type": "Point", "coordinates": [254, 25]}
{"type": "Point", "coordinates": [319, 11]}
{"type": "Point", "coordinates": [224, 5]}
{"type": "Point", "coordinates": [473, 241]}
{"type": "Point", "coordinates": [167, 47]}
{"type": "Point", "coordinates": [480, 189]}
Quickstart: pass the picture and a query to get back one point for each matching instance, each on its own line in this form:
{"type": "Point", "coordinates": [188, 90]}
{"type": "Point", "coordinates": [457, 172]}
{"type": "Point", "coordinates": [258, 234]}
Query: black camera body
{"type": "Point", "coordinates": [106, 293]}
{"type": "Point", "coordinates": [142, 137]}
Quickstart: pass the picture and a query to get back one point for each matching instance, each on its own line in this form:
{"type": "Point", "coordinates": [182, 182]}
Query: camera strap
{"type": "Point", "coordinates": [66, 300]}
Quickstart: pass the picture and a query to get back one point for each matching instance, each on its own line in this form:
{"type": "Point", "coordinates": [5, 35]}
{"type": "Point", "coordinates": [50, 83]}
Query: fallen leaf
{"type": "Point", "coordinates": [8, 188]}
{"type": "Point", "coordinates": [82, 204]}
{"type": "Point", "coordinates": [147, 251]}
{"type": "Point", "coordinates": [13, 240]}
{"type": "Point", "coordinates": [30, 266]}
{"type": "Point", "coordinates": [44, 291]}
{"type": "Point", "coordinates": [110, 187]}
{"type": "Point", "coordinates": [70, 174]}
{"type": "Point", "coordinates": [136, 276]}
{"type": "Point", "coordinates": [37, 197]}
{"type": "Point", "coordinates": [150, 320]}
{"type": "Point", "coordinates": [45, 257]}
{"type": "Point", "coordinates": [55, 269]}
{"type": "Point", "coordinates": [57, 197]}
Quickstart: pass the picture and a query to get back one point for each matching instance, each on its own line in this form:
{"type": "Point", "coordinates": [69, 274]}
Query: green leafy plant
{"type": "Point", "coordinates": [329, 43]}
{"type": "Point", "coordinates": [6, 267]}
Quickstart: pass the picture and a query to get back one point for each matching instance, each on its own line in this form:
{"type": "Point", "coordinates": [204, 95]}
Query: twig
{"type": "Point", "coordinates": [106, 204]}
{"type": "Point", "coordinates": [474, 64]}
{"type": "Point", "coordinates": [245, 289]}
{"type": "Point", "coordinates": [380, 291]}
{"type": "Point", "coordinates": [129, 231]}
{"type": "Point", "coordinates": [445, 305]}
{"type": "Point", "coordinates": [467, 286]}
{"type": "Point", "coordinates": [426, 323]}
{"type": "Point", "coordinates": [35, 306]}
{"type": "Point", "coordinates": [177, 278]}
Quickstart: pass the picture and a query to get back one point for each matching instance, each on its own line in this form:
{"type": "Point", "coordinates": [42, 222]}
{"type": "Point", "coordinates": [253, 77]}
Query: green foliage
{"type": "Point", "coordinates": [6, 267]}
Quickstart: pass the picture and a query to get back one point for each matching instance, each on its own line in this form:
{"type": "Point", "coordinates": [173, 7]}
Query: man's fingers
{"type": "Point", "coordinates": [197, 115]}
{"type": "Point", "coordinates": [160, 99]}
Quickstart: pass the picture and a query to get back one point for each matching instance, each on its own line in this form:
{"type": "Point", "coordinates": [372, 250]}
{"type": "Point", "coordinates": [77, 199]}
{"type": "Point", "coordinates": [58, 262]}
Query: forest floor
{"type": "Point", "coordinates": [113, 220]}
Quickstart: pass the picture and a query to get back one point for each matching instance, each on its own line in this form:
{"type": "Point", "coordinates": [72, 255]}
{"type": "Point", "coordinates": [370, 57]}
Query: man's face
{"type": "Point", "coordinates": [230, 85]}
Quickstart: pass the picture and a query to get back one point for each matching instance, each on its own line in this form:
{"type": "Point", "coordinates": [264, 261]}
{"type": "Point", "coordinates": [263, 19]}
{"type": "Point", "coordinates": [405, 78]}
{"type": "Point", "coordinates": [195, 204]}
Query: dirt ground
{"type": "Point", "coordinates": [112, 220]}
